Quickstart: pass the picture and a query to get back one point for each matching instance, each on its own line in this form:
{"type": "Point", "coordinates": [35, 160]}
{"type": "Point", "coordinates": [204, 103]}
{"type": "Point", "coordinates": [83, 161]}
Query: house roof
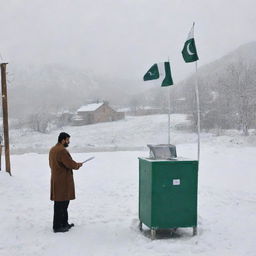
{"type": "Point", "coordinates": [77, 118]}
{"type": "Point", "coordinates": [90, 107]}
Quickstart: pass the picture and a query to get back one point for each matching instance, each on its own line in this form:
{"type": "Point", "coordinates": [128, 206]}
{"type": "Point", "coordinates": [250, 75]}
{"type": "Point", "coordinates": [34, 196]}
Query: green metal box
{"type": "Point", "coordinates": [168, 193]}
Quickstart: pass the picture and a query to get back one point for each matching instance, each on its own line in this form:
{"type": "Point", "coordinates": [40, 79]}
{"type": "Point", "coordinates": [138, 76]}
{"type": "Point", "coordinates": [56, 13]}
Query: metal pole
{"type": "Point", "coordinates": [198, 115]}
{"type": "Point", "coordinates": [169, 113]}
{"type": "Point", "coordinates": [5, 118]}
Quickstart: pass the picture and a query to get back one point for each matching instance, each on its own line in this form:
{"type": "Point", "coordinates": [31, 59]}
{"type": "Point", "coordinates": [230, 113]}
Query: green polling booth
{"type": "Point", "coordinates": [168, 193]}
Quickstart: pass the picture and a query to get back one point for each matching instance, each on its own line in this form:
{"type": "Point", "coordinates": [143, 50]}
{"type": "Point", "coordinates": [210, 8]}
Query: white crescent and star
{"type": "Point", "coordinates": [188, 50]}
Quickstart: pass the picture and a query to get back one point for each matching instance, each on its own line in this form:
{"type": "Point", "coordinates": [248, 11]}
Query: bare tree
{"type": "Point", "coordinates": [40, 121]}
{"type": "Point", "coordinates": [242, 81]}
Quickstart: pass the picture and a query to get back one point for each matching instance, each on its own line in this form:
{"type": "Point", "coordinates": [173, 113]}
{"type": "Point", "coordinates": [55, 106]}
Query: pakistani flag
{"type": "Point", "coordinates": [189, 52]}
{"type": "Point", "coordinates": [161, 71]}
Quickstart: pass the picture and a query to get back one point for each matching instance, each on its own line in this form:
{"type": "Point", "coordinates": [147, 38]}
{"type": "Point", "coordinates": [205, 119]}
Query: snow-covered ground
{"type": "Point", "coordinates": [132, 133]}
{"type": "Point", "coordinates": [105, 212]}
{"type": "Point", "coordinates": [128, 134]}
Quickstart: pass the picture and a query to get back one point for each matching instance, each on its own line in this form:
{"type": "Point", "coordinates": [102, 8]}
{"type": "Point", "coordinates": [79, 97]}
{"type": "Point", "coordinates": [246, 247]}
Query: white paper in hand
{"type": "Point", "coordinates": [88, 159]}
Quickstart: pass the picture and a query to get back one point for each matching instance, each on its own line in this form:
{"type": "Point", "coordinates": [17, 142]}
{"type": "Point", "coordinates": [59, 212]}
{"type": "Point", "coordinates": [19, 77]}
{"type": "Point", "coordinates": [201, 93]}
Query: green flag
{"type": "Point", "coordinates": [161, 71]}
{"type": "Point", "coordinates": [189, 52]}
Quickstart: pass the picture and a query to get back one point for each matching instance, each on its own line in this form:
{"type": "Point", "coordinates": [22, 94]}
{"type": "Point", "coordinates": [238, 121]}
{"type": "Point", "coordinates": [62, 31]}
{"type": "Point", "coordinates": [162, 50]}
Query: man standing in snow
{"type": "Point", "coordinates": [62, 182]}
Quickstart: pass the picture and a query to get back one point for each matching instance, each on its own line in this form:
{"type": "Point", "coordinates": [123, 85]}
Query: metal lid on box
{"type": "Point", "coordinates": [162, 151]}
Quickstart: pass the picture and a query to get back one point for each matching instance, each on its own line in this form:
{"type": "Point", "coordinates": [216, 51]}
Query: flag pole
{"type": "Point", "coordinates": [198, 114]}
{"type": "Point", "coordinates": [169, 111]}
{"type": "Point", "coordinates": [169, 115]}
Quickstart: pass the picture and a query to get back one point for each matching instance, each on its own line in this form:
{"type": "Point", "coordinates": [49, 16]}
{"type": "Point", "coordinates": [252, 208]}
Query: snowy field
{"type": "Point", "coordinates": [132, 133]}
{"type": "Point", "coordinates": [129, 134]}
{"type": "Point", "coordinates": [105, 212]}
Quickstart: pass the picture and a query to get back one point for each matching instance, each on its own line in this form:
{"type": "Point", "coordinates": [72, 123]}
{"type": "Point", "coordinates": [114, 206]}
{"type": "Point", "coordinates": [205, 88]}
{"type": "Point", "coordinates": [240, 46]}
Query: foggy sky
{"type": "Point", "coordinates": [122, 38]}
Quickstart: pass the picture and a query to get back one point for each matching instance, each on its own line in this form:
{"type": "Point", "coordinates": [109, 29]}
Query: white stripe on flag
{"type": "Point", "coordinates": [161, 69]}
{"type": "Point", "coordinates": [191, 33]}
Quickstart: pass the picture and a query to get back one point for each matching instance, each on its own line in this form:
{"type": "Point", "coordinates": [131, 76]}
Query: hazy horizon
{"type": "Point", "coordinates": [122, 38]}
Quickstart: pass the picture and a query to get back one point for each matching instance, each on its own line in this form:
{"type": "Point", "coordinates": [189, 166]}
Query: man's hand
{"type": "Point", "coordinates": [80, 165]}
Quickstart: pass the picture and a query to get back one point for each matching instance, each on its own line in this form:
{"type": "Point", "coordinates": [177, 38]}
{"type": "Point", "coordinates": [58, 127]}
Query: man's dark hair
{"type": "Point", "coordinates": [63, 136]}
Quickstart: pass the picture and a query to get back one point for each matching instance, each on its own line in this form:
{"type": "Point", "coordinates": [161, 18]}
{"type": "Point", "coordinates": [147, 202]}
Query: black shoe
{"type": "Point", "coordinates": [70, 225]}
{"type": "Point", "coordinates": [62, 229]}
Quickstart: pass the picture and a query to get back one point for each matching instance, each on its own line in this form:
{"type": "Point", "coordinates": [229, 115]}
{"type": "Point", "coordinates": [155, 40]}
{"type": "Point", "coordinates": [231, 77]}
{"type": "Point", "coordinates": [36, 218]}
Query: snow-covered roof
{"type": "Point", "coordinates": [149, 108]}
{"type": "Point", "coordinates": [77, 118]}
{"type": "Point", "coordinates": [64, 112]}
{"type": "Point", "coordinates": [124, 109]}
{"type": "Point", "coordinates": [90, 107]}
{"type": "Point", "coordinates": [181, 99]}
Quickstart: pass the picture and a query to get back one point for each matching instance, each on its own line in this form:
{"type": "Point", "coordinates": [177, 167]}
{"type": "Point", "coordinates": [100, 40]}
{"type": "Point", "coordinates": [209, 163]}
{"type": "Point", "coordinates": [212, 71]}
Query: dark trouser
{"type": "Point", "coordinates": [60, 217]}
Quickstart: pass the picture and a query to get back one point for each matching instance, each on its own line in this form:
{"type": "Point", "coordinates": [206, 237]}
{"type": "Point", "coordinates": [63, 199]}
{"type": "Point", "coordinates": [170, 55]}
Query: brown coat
{"type": "Point", "coordinates": [62, 182]}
